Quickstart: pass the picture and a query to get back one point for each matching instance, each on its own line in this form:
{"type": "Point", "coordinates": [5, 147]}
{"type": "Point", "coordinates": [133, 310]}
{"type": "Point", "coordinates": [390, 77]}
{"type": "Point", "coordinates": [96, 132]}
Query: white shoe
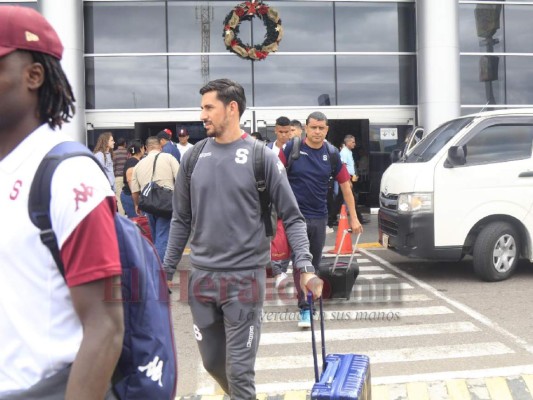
{"type": "Point", "coordinates": [329, 230]}
{"type": "Point", "coordinates": [279, 279]}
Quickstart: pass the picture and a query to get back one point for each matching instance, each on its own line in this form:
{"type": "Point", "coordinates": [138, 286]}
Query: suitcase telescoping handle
{"type": "Point", "coordinates": [313, 339]}
{"type": "Point", "coordinates": [344, 234]}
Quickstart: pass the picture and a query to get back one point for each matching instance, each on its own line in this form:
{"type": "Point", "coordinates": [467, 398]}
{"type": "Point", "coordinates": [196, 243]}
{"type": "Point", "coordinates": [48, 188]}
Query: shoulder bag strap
{"type": "Point", "coordinates": [153, 168]}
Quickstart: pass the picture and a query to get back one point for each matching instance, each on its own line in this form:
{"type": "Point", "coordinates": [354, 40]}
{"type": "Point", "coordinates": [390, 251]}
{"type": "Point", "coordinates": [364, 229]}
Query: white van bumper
{"type": "Point", "coordinates": [412, 235]}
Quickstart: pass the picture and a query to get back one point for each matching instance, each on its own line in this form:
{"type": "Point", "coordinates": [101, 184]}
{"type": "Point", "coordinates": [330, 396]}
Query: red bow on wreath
{"type": "Point", "coordinates": [251, 7]}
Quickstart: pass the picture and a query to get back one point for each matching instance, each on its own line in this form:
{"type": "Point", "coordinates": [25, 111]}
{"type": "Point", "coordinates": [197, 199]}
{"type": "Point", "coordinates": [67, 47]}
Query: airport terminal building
{"type": "Point", "coordinates": [375, 68]}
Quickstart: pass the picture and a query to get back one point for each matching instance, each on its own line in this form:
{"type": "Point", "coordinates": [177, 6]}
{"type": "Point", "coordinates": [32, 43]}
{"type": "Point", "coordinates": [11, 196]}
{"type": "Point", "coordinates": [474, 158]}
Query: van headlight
{"type": "Point", "coordinates": [415, 203]}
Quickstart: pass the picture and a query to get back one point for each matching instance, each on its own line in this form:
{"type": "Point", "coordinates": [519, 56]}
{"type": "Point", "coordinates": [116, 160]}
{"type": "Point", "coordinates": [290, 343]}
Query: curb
{"type": "Point", "coordinates": [517, 387]}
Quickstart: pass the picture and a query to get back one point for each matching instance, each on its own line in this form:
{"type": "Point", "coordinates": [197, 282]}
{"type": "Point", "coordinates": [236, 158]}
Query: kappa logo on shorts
{"type": "Point", "coordinates": [82, 195]}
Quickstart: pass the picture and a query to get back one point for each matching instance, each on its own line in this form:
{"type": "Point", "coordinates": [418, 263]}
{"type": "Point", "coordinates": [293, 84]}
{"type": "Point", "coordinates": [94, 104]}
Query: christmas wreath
{"type": "Point", "coordinates": [245, 12]}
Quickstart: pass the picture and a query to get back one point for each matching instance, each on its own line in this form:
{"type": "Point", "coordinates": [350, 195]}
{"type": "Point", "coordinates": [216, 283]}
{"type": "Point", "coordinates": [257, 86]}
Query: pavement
{"type": "Point", "coordinates": [498, 384]}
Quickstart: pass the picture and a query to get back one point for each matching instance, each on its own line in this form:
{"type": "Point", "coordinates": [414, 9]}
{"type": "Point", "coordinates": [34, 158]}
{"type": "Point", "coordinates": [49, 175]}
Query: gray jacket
{"type": "Point", "coordinates": [224, 217]}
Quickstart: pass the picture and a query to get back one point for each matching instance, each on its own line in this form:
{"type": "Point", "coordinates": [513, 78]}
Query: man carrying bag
{"type": "Point", "coordinates": [151, 189]}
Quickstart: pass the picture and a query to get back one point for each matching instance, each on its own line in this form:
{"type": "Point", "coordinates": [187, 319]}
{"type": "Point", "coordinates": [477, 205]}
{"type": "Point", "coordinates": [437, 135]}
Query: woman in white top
{"type": "Point", "coordinates": [103, 151]}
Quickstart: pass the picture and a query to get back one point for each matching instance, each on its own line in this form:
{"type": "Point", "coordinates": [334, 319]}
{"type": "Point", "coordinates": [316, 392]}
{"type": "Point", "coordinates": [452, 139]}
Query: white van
{"type": "Point", "coordinates": [466, 188]}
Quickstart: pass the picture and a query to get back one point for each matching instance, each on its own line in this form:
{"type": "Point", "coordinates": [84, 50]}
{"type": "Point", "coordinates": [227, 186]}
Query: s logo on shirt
{"type": "Point", "coordinates": [16, 190]}
{"type": "Point", "coordinates": [241, 156]}
{"type": "Point", "coordinates": [325, 157]}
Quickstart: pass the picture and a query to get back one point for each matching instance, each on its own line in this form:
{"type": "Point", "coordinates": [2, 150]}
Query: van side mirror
{"type": "Point", "coordinates": [395, 155]}
{"type": "Point", "coordinates": [456, 156]}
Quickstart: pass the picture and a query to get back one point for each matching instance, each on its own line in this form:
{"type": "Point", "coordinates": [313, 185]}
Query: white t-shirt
{"type": "Point", "coordinates": [183, 149]}
{"type": "Point", "coordinates": [40, 333]}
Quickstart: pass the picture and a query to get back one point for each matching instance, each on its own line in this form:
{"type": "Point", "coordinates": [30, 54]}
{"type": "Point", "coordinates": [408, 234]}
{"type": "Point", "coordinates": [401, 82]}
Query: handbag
{"type": "Point", "coordinates": [279, 247]}
{"type": "Point", "coordinates": [155, 199]}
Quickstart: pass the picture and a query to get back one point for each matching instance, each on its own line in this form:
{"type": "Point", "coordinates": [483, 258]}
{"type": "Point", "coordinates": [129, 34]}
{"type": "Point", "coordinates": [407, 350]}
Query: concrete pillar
{"type": "Point", "coordinates": [439, 96]}
{"type": "Point", "coordinates": [67, 19]}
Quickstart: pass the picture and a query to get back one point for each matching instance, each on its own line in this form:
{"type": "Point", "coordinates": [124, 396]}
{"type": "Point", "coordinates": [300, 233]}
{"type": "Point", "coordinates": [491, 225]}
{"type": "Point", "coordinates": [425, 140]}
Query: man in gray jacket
{"type": "Point", "coordinates": [229, 248]}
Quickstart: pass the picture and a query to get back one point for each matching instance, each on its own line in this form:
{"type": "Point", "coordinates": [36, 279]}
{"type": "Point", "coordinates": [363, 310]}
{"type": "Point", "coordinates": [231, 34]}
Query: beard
{"type": "Point", "coordinates": [217, 130]}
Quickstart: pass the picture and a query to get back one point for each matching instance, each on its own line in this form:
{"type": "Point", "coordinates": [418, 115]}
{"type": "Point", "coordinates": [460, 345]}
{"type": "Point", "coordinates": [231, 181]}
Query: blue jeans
{"type": "Point", "coordinates": [127, 205]}
{"type": "Point", "coordinates": [316, 232]}
{"type": "Point", "coordinates": [160, 228]}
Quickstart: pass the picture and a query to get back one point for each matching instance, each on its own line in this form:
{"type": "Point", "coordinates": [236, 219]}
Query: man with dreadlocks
{"type": "Point", "coordinates": [59, 338]}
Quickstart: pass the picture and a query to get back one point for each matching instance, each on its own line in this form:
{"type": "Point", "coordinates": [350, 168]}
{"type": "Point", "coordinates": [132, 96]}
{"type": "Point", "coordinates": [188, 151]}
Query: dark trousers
{"type": "Point", "coordinates": [316, 232]}
{"type": "Point", "coordinates": [226, 308]}
{"type": "Point", "coordinates": [336, 203]}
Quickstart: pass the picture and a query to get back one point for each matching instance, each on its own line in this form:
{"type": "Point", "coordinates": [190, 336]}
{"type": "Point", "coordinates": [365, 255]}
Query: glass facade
{"type": "Point", "coordinates": [496, 41]}
{"type": "Point", "coordinates": [157, 54]}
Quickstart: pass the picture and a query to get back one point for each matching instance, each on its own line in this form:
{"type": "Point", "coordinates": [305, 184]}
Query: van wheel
{"type": "Point", "coordinates": [496, 252]}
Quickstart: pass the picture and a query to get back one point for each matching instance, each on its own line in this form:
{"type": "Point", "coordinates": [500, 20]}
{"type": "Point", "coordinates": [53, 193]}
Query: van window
{"type": "Point", "coordinates": [500, 143]}
{"type": "Point", "coordinates": [436, 140]}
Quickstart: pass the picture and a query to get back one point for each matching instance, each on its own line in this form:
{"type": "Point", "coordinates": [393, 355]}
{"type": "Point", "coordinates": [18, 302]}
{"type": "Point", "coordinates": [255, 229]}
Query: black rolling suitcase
{"type": "Point", "coordinates": [339, 276]}
{"type": "Point", "coordinates": [344, 376]}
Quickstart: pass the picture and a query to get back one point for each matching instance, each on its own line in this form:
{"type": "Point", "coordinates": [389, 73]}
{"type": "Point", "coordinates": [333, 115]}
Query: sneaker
{"type": "Point", "coordinates": [305, 319]}
{"type": "Point", "coordinates": [329, 230]}
{"type": "Point", "coordinates": [280, 278]}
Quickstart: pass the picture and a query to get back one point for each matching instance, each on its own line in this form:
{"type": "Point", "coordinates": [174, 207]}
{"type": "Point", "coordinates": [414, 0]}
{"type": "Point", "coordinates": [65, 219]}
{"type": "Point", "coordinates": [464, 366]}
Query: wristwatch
{"type": "Point", "coordinates": [308, 269]}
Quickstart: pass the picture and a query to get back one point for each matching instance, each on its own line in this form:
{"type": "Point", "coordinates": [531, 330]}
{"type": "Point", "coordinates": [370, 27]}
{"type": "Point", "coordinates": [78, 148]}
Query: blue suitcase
{"type": "Point", "coordinates": [344, 376]}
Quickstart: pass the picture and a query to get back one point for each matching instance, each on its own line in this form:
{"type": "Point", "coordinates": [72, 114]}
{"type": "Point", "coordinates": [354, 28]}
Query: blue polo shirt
{"type": "Point", "coordinates": [309, 177]}
{"type": "Point", "coordinates": [170, 148]}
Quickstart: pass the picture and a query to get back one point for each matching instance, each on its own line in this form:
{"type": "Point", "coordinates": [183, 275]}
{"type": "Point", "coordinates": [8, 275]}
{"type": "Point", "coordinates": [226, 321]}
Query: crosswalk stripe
{"type": "Point", "coordinates": [362, 269]}
{"type": "Point", "coordinates": [416, 390]}
{"type": "Point", "coordinates": [369, 333]}
{"type": "Point", "coordinates": [380, 392]}
{"type": "Point", "coordinates": [498, 388]}
{"type": "Point", "coordinates": [403, 298]}
{"type": "Point", "coordinates": [382, 314]}
{"type": "Point", "coordinates": [408, 354]}
{"type": "Point", "coordinates": [329, 258]}
{"type": "Point", "coordinates": [458, 390]}
{"type": "Point", "coordinates": [370, 268]}
{"type": "Point", "coordinates": [299, 395]}
{"type": "Point", "coordinates": [377, 276]}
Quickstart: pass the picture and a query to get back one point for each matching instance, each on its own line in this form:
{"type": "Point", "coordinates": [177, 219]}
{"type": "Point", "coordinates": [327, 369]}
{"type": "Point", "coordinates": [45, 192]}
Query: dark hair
{"type": "Point", "coordinates": [227, 91]}
{"type": "Point", "coordinates": [319, 116]}
{"type": "Point", "coordinates": [283, 121]}
{"type": "Point", "coordinates": [296, 124]}
{"type": "Point", "coordinates": [56, 99]}
{"type": "Point", "coordinates": [135, 147]}
{"type": "Point", "coordinates": [121, 141]}
{"type": "Point", "coordinates": [256, 135]}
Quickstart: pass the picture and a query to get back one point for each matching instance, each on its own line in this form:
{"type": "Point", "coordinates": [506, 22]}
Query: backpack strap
{"type": "Point", "coordinates": [192, 158]}
{"type": "Point", "coordinates": [295, 151]}
{"type": "Point", "coordinates": [260, 183]}
{"type": "Point", "coordinates": [40, 193]}
{"type": "Point", "coordinates": [333, 157]}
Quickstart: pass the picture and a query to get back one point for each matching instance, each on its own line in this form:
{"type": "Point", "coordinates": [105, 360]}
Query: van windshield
{"type": "Point", "coordinates": [427, 148]}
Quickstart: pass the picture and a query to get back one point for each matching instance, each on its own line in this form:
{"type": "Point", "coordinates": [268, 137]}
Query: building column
{"type": "Point", "coordinates": [439, 96]}
{"type": "Point", "coordinates": [67, 19]}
